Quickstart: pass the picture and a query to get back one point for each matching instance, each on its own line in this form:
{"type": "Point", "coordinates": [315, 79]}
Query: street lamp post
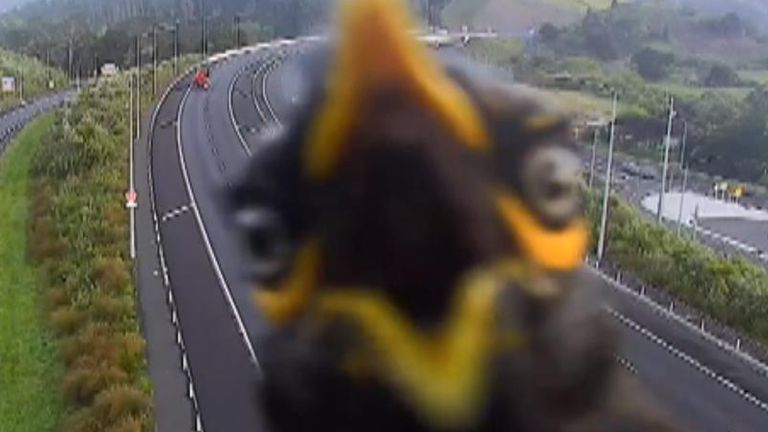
{"type": "Point", "coordinates": [154, 60]}
{"type": "Point", "coordinates": [607, 190]}
{"type": "Point", "coordinates": [176, 48]}
{"type": "Point", "coordinates": [668, 142]}
{"type": "Point", "coordinates": [237, 31]}
{"type": "Point", "coordinates": [594, 156]}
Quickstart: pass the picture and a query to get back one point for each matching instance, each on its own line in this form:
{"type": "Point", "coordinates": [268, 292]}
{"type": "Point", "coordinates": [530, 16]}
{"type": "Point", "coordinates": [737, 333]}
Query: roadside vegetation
{"type": "Point", "coordinates": [34, 75]}
{"type": "Point", "coordinates": [29, 365]}
{"type": "Point", "coordinates": [78, 235]}
{"type": "Point", "coordinates": [732, 291]}
{"type": "Point", "coordinates": [714, 66]}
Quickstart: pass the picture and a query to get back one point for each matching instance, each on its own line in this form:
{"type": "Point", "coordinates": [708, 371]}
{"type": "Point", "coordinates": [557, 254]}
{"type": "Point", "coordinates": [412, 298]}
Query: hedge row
{"type": "Point", "coordinates": [731, 290]}
{"type": "Point", "coordinates": [78, 234]}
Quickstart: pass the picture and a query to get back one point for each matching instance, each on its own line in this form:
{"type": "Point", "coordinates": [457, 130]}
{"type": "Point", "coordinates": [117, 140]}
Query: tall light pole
{"type": "Point", "coordinates": [131, 185]}
{"type": "Point", "coordinates": [138, 86]}
{"type": "Point", "coordinates": [237, 31]}
{"type": "Point", "coordinates": [154, 60]}
{"type": "Point", "coordinates": [176, 48]}
{"type": "Point", "coordinates": [203, 33]}
{"type": "Point", "coordinates": [668, 142]}
{"type": "Point", "coordinates": [607, 190]}
{"type": "Point", "coordinates": [594, 156]}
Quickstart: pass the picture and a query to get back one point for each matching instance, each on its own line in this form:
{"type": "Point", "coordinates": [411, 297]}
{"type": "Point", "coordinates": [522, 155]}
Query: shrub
{"type": "Point", "coordinates": [65, 320]}
{"type": "Point", "coordinates": [83, 384]}
{"type": "Point", "coordinates": [115, 404]}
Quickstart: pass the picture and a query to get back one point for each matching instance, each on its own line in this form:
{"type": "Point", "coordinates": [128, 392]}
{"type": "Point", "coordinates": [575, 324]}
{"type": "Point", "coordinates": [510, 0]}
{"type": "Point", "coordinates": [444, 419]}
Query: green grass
{"type": "Point", "coordinates": [758, 76]}
{"type": "Point", "coordinates": [29, 370]}
{"type": "Point", "coordinates": [693, 91]}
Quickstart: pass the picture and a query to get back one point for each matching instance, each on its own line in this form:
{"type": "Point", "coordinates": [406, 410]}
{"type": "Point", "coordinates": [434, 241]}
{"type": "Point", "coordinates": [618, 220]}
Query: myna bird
{"type": "Point", "coordinates": [426, 240]}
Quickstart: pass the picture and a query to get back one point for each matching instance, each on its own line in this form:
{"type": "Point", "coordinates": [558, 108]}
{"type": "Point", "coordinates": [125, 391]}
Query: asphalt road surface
{"type": "Point", "coordinates": [201, 138]}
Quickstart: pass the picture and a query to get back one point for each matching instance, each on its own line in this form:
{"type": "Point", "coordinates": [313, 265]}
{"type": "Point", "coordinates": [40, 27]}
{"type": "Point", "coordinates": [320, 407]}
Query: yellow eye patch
{"type": "Point", "coordinates": [560, 250]}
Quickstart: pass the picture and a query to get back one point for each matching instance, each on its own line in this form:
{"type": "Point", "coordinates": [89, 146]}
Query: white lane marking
{"type": "Point", "coordinates": [175, 213]}
{"type": "Point", "coordinates": [757, 366]}
{"type": "Point", "coordinates": [260, 71]}
{"type": "Point", "coordinates": [274, 65]}
{"type": "Point", "coordinates": [206, 239]}
{"type": "Point", "coordinates": [230, 97]}
{"type": "Point", "coordinates": [688, 359]}
{"type": "Point", "coordinates": [626, 364]}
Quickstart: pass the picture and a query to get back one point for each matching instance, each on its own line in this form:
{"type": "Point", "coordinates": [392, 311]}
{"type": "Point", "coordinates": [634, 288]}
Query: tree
{"type": "Point", "coordinates": [721, 75]}
{"type": "Point", "coordinates": [652, 64]}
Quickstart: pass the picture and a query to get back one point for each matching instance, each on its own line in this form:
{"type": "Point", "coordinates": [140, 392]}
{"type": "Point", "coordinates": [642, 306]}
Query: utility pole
{"type": "Point", "coordinates": [594, 156]}
{"type": "Point", "coordinates": [666, 158]}
{"type": "Point", "coordinates": [607, 191]}
{"type": "Point", "coordinates": [154, 60]}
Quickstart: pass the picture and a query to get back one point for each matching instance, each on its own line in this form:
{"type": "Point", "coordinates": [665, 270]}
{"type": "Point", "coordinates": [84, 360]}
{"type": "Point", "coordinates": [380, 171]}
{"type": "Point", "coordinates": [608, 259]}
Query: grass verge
{"type": "Point", "coordinates": [29, 365]}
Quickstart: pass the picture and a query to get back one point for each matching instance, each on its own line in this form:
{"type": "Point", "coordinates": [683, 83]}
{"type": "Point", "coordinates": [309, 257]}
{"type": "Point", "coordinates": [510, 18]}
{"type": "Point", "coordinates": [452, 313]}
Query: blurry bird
{"type": "Point", "coordinates": [425, 239]}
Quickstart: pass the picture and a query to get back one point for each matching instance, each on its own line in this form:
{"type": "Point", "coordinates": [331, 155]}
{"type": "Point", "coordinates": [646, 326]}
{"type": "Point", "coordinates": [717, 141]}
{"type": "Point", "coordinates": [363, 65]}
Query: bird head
{"type": "Point", "coordinates": [400, 196]}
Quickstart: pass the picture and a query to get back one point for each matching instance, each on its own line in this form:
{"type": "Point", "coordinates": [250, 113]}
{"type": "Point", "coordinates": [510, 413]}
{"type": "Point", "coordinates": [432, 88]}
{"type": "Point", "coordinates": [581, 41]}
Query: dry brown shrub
{"type": "Point", "coordinates": [93, 344]}
{"type": "Point", "coordinates": [81, 420]}
{"type": "Point", "coordinates": [120, 402]}
{"type": "Point", "coordinates": [133, 352]}
{"type": "Point", "coordinates": [57, 296]}
{"type": "Point", "coordinates": [128, 424]}
{"type": "Point", "coordinates": [108, 309]}
{"type": "Point", "coordinates": [111, 275]}
{"type": "Point", "coordinates": [66, 320]}
{"type": "Point", "coordinates": [83, 384]}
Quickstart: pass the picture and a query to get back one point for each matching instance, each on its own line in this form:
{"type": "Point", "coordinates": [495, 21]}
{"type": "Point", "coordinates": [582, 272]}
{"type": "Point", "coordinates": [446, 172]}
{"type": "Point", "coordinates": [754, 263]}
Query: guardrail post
{"type": "Point", "coordinates": [618, 277]}
{"type": "Point", "coordinates": [671, 306]}
{"type": "Point", "coordinates": [738, 344]}
{"type": "Point", "coordinates": [642, 290]}
{"type": "Point", "coordinates": [702, 325]}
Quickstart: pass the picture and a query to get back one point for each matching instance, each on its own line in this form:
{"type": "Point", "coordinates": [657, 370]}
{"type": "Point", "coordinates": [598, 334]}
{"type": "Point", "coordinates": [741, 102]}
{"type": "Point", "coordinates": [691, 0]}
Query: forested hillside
{"type": "Point", "coordinates": [97, 31]}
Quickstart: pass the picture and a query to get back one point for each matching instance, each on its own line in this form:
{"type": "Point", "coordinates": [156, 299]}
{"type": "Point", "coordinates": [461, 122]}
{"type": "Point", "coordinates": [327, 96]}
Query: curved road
{"type": "Point", "coordinates": [201, 138]}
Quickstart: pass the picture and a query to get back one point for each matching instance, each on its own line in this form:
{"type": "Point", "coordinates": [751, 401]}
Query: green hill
{"type": "Point", "coordinates": [517, 16]}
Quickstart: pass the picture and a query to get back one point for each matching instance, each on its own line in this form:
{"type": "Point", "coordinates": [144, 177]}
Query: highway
{"type": "Point", "coordinates": [13, 121]}
{"type": "Point", "coordinates": [199, 139]}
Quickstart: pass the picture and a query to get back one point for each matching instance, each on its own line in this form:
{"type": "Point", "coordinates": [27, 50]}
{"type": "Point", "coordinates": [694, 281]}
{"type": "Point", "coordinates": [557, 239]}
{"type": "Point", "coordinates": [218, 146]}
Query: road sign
{"type": "Point", "coordinates": [8, 84]}
{"type": "Point", "coordinates": [131, 200]}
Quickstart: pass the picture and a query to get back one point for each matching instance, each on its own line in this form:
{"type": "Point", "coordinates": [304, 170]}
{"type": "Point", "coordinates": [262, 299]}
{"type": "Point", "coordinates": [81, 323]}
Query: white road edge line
{"type": "Point", "coordinates": [688, 359]}
{"type": "Point", "coordinates": [211, 254]}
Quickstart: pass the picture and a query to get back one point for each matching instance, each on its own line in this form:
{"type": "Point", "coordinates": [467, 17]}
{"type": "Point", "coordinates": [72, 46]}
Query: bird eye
{"type": "Point", "coordinates": [267, 241]}
{"type": "Point", "coordinates": [551, 184]}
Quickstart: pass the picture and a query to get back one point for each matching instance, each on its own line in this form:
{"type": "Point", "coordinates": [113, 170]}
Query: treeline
{"type": "Point", "coordinates": [732, 291]}
{"type": "Point", "coordinates": [78, 234]}
{"type": "Point", "coordinates": [77, 35]}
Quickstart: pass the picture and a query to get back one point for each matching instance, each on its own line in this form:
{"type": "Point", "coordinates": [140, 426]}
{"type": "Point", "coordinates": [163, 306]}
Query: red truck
{"type": "Point", "coordinates": [202, 79]}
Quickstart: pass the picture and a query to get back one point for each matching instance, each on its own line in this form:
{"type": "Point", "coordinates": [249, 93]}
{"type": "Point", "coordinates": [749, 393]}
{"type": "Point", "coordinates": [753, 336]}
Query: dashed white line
{"type": "Point", "coordinates": [206, 239]}
{"type": "Point", "coordinates": [175, 213]}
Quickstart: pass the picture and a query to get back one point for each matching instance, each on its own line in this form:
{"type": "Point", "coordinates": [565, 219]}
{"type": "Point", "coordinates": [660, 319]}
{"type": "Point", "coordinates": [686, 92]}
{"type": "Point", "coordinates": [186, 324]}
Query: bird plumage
{"type": "Point", "coordinates": [431, 277]}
